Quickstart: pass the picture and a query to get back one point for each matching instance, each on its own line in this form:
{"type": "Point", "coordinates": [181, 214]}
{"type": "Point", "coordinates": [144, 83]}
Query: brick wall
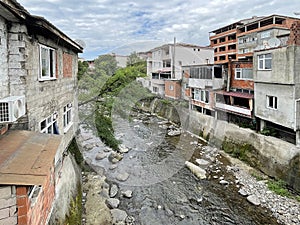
{"type": "Point", "coordinates": [67, 65]}
{"type": "Point", "coordinates": [242, 84]}
{"type": "Point", "coordinates": [8, 210]}
{"type": "Point", "coordinates": [172, 89]}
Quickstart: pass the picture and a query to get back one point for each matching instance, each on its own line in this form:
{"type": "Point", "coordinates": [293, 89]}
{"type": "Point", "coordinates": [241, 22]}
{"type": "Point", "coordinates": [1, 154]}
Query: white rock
{"type": "Point", "coordinates": [202, 162]}
{"type": "Point", "coordinates": [122, 176]}
{"type": "Point", "coordinates": [127, 194]}
{"type": "Point", "coordinates": [113, 191]}
{"type": "Point", "coordinates": [101, 156]}
{"type": "Point", "coordinates": [199, 172]}
{"type": "Point", "coordinates": [112, 203]}
{"type": "Point", "coordinates": [224, 182]}
{"type": "Point", "coordinates": [118, 216]}
{"type": "Point", "coordinates": [253, 199]}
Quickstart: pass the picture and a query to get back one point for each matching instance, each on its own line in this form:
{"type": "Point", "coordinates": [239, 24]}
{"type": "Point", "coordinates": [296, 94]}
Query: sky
{"type": "Point", "coordinates": [122, 27]}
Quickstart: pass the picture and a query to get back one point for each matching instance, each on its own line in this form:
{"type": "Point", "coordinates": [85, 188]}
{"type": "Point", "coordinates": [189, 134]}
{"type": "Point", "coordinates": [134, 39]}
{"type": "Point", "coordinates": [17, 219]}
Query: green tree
{"type": "Point", "coordinates": [105, 65]}
{"type": "Point", "coordinates": [133, 59]}
{"type": "Point", "coordinates": [82, 69]}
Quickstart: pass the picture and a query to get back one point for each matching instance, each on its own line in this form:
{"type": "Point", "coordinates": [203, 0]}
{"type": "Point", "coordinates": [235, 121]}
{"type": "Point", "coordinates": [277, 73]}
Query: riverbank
{"type": "Point", "coordinates": [100, 202]}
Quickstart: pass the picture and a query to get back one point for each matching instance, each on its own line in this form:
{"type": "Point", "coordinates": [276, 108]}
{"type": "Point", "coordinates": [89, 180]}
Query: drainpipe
{"type": "Point", "coordinates": [296, 125]}
{"type": "Point", "coordinates": [229, 74]}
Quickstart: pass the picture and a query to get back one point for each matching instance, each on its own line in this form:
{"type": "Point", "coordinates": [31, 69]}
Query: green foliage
{"type": "Point", "coordinates": [257, 176]}
{"type": "Point", "coordinates": [75, 214]}
{"type": "Point", "coordinates": [269, 131]}
{"type": "Point", "coordinates": [242, 151]}
{"type": "Point", "coordinates": [82, 69]}
{"type": "Point", "coordinates": [134, 59]}
{"type": "Point", "coordinates": [74, 150]}
{"type": "Point", "coordinates": [105, 130]}
{"type": "Point", "coordinates": [279, 187]}
{"type": "Point", "coordinates": [105, 65]}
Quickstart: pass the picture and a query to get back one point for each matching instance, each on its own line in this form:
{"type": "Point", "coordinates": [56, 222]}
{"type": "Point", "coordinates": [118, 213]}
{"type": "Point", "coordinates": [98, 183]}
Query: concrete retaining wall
{"type": "Point", "coordinates": [274, 157]}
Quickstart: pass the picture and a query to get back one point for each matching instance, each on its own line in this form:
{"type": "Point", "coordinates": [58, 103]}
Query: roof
{"type": "Point", "coordinates": [13, 11]}
{"type": "Point", "coordinates": [179, 44]}
{"type": "Point", "coordinates": [26, 157]}
{"type": "Point", "coordinates": [236, 94]}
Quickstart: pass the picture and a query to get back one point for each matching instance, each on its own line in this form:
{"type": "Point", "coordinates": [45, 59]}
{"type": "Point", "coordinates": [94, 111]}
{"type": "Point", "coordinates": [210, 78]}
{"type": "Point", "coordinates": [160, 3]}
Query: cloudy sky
{"type": "Point", "coordinates": [122, 27]}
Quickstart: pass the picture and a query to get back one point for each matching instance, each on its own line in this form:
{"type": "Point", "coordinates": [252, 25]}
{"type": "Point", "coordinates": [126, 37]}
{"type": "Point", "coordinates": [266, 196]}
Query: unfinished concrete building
{"type": "Point", "coordinates": [38, 79]}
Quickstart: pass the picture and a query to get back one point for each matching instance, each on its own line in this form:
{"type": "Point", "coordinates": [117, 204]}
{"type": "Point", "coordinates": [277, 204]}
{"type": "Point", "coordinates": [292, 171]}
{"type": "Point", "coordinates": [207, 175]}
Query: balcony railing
{"type": "Point", "coordinates": [234, 109]}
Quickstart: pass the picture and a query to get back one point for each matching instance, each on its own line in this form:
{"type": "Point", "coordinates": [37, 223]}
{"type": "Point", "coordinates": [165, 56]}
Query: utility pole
{"type": "Point", "coordinates": [173, 59]}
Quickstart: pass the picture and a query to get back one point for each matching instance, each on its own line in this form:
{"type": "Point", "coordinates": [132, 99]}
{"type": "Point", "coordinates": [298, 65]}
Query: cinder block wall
{"type": "Point", "coordinates": [8, 209]}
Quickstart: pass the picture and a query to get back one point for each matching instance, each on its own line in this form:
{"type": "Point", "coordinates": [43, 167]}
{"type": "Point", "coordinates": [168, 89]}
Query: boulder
{"type": "Point", "coordinates": [199, 172]}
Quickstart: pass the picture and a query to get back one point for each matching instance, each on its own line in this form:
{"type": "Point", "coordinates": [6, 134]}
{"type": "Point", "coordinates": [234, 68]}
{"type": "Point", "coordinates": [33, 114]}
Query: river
{"type": "Point", "coordinates": [165, 191]}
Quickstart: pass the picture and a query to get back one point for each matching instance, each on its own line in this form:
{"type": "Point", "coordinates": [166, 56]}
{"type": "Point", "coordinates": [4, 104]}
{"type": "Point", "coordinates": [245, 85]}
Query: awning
{"type": "Point", "coordinates": [236, 94]}
{"type": "Point", "coordinates": [26, 157]}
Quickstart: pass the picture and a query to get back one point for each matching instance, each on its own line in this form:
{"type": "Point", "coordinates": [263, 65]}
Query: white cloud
{"type": "Point", "coordinates": [120, 26]}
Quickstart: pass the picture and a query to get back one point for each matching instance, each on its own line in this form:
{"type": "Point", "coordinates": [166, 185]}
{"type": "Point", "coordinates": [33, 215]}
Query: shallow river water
{"type": "Point", "coordinates": [165, 191]}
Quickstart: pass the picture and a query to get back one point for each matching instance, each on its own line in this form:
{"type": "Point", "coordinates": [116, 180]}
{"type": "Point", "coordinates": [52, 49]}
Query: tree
{"type": "Point", "coordinates": [133, 59]}
{"type": "Point", "coordinates": [105, 65]}
{"type": "Point", "coordinates": [82, 69]}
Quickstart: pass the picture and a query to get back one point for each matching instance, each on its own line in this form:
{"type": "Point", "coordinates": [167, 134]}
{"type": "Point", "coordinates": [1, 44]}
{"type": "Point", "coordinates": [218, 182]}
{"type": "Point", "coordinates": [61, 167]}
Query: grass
{"type": "Point", "coordinates": [75, 215]}
{"type": "Point", "coordinates": [279, 187]}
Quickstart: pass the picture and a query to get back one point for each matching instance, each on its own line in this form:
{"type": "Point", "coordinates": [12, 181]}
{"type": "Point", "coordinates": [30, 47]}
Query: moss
{"type": "Point", "coordinates": [74, 150]}
{"type": "Point", "coordinates": [243, 151]}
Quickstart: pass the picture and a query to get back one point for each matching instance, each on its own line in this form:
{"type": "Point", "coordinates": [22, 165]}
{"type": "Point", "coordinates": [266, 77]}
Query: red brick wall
{"type": "Point", "coordinates": [243, 84]}
{"type": "Point", "coordinates": [176, 92]}
{"type": "Point", "coordinates": [67, 65]}
{"type": "Point", "coordinates": [22, 205]}
{"type": "Point", "coordinates": [37, 213]}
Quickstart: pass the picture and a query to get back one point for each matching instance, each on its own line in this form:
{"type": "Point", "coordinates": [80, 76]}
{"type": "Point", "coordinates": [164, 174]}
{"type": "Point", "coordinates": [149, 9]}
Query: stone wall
{"type": "Point", "coordinates": [8, 202]}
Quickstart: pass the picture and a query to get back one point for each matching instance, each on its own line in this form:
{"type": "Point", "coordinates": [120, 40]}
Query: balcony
{"type": "Point", "coordinates": [234, 109]}
{"type": "Point", "coordinates": [200, 83]}
{"type": "Point", "coordinates": [235, 102]}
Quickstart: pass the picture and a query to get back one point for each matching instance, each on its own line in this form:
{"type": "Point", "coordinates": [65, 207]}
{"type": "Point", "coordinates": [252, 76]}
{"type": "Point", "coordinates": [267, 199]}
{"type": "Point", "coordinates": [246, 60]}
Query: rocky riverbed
{"type": "Point", "coordinates": [111, 194]}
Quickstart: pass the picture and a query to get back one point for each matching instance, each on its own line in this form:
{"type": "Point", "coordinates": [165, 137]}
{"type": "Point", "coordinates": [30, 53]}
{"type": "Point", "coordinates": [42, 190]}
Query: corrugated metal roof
{"type": "Point", "coordinates": [26, 157]}
{"type": "Point", "coordinates": [236, 94]}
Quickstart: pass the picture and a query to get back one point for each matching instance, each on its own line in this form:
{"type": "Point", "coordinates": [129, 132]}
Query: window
{"type": "Point", "coordinates": [49, 125]}
{"type": "Point", "coordinates": [243, 74]}
{"type": "Point", "coordinates": [67, 117]}
{"type": "Point", "coordinates": [171, 87]}
{"type": "Point", "coordinates": [47, 63]}
{"type": "Point", "coordinates": [204, 72]}
{"type": "Point", "coordinates": [271, 102]}
{"type": "Point", "coordinates": [155, 89]}
{"type": "Point", "coordinates": [201, 95]}
{"type": "Point", "coordinates": [33, 193]}
{"type": "Point", "coordinates": [265, 62]}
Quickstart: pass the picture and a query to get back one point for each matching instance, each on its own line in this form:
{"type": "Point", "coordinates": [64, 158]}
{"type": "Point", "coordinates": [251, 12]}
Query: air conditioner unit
{"type": "Point", "coordinates": [12, 108]}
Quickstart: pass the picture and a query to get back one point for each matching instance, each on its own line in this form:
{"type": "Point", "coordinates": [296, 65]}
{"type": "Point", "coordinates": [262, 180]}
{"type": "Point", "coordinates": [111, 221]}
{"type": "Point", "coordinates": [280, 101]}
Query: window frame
{"type": "Point", "coordinates": [51, 63]}
{"type": "Point", "coordinates": [201, 95]}
{"type": "Point", "coordinates": [67, 117]}
{"type": "Point", "coordinates": [50, 123]}
{"type": "Point", "coordinates": [274, 101]}
{"type": "Point", "coordinates": [241, 70]}
{"type": "Point", "coordinates": [262, 61]}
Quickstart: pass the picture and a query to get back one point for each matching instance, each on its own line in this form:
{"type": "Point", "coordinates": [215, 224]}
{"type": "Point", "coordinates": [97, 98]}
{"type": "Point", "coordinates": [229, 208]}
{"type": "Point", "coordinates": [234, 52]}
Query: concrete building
{"type": "Point", "coordinates": [121, 60]}
{"type": "Point", "coordinates": [165, 64]}
{"type": "Point", "coordinates": [199, 84]}
{"type": "Point", "coordinates": [234, 45]}
{"type": "Point", "coordinates": [277, 84]}
{"type": "Point", "coordinates": [38, 80]}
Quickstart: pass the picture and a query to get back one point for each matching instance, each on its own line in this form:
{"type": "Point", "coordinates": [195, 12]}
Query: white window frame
{"type": "Point", "coordinates": [49, 123]}
{"type": "Point", "coordinates": [201, 96]}
{"type": "Point", "coordinates": [171, 87]}
{"type": "Point", "coordinates": [240, 72]}
{"type": "Point", "coordinates": [265, 34]}
{"type": "Point", "coordinates": [262, 61]}
{"type": "Point", "coordinates": [50, 63]}
{"type": "Point", "coordinates": [34, 193]}
{"type": "Point", "coordinates": [67, 117]}
{"type": "Point", "coordinates": [274, 104]}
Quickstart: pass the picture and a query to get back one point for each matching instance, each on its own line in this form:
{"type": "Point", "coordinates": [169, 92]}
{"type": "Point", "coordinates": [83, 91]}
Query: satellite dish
{"type": "Point", "coordinates": [274, 42]}
{"type": "Point", "coordinates": [80, 42]}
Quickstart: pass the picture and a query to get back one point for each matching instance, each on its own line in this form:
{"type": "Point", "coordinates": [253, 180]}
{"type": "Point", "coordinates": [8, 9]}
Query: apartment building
{"type": "Point", "coordinates": [38, 80]}
{"type": "Point", "coordinates": [277, 84]}
{"type": "Point", "coordinates": [199, 85]}
{"type": "Point", "coordinates": [234, 45]}
{"type": "Point", "coordinates": [164, 66]}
